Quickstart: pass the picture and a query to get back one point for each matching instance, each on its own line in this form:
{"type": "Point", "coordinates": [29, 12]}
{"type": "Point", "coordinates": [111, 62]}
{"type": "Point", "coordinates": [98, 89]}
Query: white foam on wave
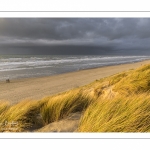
{"type": "Point", "coordinates": [13, 69]}
{"type": "Point", "coordinates": [12, 64]}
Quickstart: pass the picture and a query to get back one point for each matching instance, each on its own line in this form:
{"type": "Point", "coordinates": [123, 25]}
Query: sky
{"type": "Point", "coordinates": [75, 36]}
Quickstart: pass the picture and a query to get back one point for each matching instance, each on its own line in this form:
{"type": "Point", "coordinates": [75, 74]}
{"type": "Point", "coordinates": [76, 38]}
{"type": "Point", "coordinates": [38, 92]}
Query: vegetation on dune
{"type": "Point", "coordinates": [118, 77]}
{"type": "Point", "coordinates": [3, 106]}
{"type": "Point", "coordinates": [128, 111]}
{"type": "Point", "coordinates": [136, 82]}
{"type": "Point", "coordinates": [32, 114]}
{"type": "Point", "coordinates": [119, 103]}
{"type": "Point", "coordinates": [24, 114]}
{"type": "Point", "coordinates": [122, 114]}
{"type": "Point", "coordinates": [62, 105]}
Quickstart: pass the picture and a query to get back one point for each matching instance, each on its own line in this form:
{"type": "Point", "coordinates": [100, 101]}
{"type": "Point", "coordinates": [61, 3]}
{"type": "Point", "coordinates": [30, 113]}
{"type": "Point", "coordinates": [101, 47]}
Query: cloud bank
{"type": "Point", "coordinates": [128, 36]}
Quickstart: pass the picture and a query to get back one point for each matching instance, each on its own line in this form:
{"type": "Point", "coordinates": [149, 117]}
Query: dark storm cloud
{"type": "Point", "coordinates": [75, 35]}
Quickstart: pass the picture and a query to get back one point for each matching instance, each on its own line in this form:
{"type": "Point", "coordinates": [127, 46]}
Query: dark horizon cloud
{"type": "Point", "coordinates": [129, 36]}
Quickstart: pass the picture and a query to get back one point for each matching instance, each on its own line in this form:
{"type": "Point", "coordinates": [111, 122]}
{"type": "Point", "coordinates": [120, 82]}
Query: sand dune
{"type": "Point", "coordinates": [69, 124]}
{"type": "Point", "coordinates": [37, 88]}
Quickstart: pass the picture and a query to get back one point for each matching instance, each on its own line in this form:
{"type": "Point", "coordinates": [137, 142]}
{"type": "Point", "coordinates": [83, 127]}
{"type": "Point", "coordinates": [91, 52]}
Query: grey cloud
{"type": "Point", "coordinates": [93, 34]}
{"type": "Point", "coordinates": [70, 28]}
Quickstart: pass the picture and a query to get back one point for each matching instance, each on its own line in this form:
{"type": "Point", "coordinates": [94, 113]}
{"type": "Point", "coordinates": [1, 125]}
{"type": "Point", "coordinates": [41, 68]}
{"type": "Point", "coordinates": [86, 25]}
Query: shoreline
{"type": "Point", "coordinates": [26, 78]}
{"type": "Point", "coordinates": [43, 76]}
{"type": "Point", "coordinates": [39, 87]}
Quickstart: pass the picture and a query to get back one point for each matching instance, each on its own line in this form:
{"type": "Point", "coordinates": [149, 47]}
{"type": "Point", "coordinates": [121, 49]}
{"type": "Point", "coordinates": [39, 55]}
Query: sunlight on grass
{"type": "Point", "coordinates": [24, 113]}
{"type": "Point", "coordinates": [122, 114]}
{"type": "Point", "coordinates": [62, 105]}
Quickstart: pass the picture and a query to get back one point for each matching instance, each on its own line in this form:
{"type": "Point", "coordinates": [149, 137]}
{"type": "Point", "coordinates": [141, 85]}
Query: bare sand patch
{"type": "Point", "coordinates": [69, 124]}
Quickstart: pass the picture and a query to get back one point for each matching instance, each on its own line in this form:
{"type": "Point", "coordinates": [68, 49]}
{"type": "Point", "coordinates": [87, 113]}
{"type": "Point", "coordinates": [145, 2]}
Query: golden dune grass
{"type": "Point", "coordinates": [128, 111]}
{"type": "Point", "coordinates": [3, 106]}
{"type": "Point", "coordinates": [122, 114]}
{"type": "Point", "coordinates": [62, 105]}
{"type": "Point", "coordinates": [137, 81]}
{"type": "Point", "coordinates": [32, 114]}
{"type": "Point", "coordinates": [24, 114]}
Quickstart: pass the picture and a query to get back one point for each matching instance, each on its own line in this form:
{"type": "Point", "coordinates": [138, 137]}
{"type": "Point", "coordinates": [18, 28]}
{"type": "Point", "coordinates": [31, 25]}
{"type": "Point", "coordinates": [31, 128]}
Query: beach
{"type": "Point", "coordinates": [40, 87]}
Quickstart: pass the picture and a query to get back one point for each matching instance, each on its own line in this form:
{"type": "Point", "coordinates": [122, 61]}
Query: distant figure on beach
{"type": "Point", "coordinates": [7, 81]}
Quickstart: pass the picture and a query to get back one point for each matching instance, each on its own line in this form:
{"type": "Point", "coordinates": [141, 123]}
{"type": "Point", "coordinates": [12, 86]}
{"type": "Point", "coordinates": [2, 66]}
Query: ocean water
{"type": "Point", "coordinates": [25, 66]}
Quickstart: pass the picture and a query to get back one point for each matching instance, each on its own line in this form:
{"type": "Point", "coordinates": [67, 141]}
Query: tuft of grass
{"type": "Point", "coordinates": [123, 114]}
{"type": "Point", "coordinates": [24, 114]}
{"type": "Point", "coordinates": [62, 105]}
{"type": "Point", "coordinates": [3, 106]}
{"type": "Point", "coordinates": [117, 78]}
{"type": "Point", "coordinates": [135, 82]}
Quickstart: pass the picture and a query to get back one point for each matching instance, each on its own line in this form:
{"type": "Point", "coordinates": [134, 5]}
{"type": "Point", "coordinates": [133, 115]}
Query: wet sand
{"type": "Point", "coordinates": [37, 88]}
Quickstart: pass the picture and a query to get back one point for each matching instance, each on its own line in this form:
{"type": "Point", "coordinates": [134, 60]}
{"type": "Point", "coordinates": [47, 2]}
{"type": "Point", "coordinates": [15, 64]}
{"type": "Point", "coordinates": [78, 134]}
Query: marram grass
{"type": "Point", "coordinates": [24, 114]}
{"type": "Point", "coordinates": [137, 81]}
{"type": "Point", "coordinates": [121, 114]}
{"type": "Point", "coordinates": [3, 106]}
{"type": "Point", "coordinates": [62, 105]}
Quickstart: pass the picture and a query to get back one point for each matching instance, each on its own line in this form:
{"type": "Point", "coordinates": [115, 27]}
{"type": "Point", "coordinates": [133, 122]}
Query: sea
{"type": "Point", "coordinates": [27, 66]}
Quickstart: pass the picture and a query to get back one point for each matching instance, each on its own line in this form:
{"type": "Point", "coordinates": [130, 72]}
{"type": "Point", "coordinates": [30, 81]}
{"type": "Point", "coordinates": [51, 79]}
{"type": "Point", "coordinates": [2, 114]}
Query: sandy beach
{"type": "Point", "coordinates": [37, 88]}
